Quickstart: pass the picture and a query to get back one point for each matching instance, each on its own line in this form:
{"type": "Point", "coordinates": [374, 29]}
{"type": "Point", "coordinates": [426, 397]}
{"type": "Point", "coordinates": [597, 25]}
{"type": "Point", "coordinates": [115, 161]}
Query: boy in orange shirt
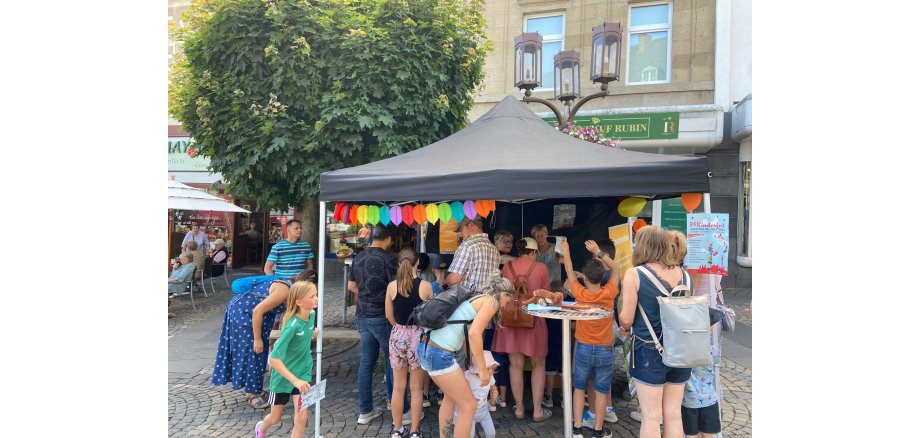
{"type": "Point", "coordinates": [594, 346]}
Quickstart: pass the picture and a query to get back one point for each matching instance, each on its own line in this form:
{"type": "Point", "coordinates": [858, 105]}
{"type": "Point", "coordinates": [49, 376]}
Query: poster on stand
{"type": "Point", "coordinates": [563, 216]}
{"type": "Point", "coordinates": [619, 234]}
{"type": "Point", "coordinates": [707, 243]}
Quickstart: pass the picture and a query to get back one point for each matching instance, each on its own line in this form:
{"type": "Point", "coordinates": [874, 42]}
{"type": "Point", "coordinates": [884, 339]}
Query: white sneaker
{"type": "Point", "coordinates": [547, 401]}
{"type": "Point", "coordinates": [611, 415]}
{"type": "Point", "coordinates": [366, 418]}
{"type": "Point", "coordinates": [400, 433]}
{"type": "Point", "coordinates": [407, 416]}
{"type": "Point", "coordinates": [637, 415]}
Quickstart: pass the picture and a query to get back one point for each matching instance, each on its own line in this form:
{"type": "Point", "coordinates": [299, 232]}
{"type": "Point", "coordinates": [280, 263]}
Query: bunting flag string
{"type": "Point", "coordinates": [411, 214]}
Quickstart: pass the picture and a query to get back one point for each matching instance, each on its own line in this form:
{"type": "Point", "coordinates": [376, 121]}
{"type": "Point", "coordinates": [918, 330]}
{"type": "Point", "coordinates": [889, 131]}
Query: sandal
{"type": "Point", "coordinates": [519, 417]}
{"type": "Point", "coordinates": [546, 414]}
{"type": "Point", "coordinates": [259, 403]}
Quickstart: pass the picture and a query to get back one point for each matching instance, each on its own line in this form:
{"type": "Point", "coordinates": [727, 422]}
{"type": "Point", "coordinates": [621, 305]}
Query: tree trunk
{"type": "Point", "coordinates": [308, 213]}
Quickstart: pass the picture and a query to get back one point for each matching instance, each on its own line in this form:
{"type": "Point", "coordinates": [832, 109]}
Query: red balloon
{"type": "Point", "coordinates": [408, 217]}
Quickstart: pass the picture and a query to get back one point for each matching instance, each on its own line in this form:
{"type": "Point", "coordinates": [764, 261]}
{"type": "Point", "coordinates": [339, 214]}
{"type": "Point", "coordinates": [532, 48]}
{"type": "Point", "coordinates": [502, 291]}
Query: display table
{"type": "Point", "coordinates": [568, 315]}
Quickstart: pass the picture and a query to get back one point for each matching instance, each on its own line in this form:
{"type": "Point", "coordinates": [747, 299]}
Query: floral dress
{"type": "Point", "coordinates": [235, 361]}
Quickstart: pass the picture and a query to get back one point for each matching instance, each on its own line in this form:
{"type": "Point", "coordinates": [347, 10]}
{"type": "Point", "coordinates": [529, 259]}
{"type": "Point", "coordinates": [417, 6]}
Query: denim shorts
{"type": "Point", "coordinates": [596, 361]}
{"type": "Point", "coordinates": [646, 367]}
{"type": "Point", "coordinates": [436, 361]}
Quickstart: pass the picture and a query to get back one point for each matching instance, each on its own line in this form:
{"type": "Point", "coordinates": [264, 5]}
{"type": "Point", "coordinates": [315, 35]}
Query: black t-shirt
{"type": "Point", "coordinates": [402, 306]}
{"type": "Point", "coordinates": [373, 269]}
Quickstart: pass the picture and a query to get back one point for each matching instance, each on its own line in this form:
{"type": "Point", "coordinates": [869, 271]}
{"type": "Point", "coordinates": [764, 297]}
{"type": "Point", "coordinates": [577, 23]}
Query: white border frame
{"type": "Point", "coordinates": [648, 29]}
{"type": "Point", "coordinates": [552, 38]}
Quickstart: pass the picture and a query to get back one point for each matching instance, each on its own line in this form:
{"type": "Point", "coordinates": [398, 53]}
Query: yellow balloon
{"type": "Point", "coordinates": [431, 210]}
{"type": "Point", "coordinates": [628, 207]}
{"type": "Point", "coordinates": [362, 214]}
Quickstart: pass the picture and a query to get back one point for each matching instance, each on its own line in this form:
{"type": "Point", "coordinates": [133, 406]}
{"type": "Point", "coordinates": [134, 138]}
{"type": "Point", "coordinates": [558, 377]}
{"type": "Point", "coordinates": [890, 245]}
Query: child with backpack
{"type": "Point", "coordinates": [292, 364]}
{"type": "Point", "coordinates": [594, 338]}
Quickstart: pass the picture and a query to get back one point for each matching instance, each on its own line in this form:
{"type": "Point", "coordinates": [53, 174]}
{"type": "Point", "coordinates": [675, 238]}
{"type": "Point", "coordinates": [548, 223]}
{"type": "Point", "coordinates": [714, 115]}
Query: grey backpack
{"type": "Point", "coordinates": [684, 325]}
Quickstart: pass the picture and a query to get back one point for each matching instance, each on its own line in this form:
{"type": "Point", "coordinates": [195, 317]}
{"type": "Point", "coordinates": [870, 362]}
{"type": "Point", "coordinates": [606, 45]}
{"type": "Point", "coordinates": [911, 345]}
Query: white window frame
{"type": "Point", "coordinates": [649, 29]}
{"type": "Point", "coordinates": [548, 39]}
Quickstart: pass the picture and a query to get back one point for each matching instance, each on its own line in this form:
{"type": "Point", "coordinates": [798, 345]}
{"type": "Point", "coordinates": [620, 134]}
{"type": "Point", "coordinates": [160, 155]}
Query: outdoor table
{"type": "Point", "coordinates": [567, 315]}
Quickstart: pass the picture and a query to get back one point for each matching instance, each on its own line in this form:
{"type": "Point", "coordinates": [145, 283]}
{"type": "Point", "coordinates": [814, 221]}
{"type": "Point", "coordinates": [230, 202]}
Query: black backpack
{"type": "Point", "coordinates": [434, 313]}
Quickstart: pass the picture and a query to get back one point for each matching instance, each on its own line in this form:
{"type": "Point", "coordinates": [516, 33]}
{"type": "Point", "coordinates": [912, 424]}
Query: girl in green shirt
{"type": "Point", "coordinates": [292, 364]}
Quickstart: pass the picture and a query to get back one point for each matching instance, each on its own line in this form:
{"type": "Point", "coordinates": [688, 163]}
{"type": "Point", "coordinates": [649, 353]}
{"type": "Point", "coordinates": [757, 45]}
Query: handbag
{"type": "Point", "coordinates": [513, 314]}
{"type": "Point", "coordinates": [728, 321]}
{"type": "Point", "coordinates": [684, 325]}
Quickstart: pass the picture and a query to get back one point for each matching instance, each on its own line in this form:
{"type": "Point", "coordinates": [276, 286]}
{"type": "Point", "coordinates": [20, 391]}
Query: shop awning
{"type": "Point", "coordinates": [510, 154]}
{"type": "Point", "coordinates": [183, 197]}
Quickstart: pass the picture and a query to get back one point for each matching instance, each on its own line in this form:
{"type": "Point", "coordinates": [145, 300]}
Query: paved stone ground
{"type": "Point", "coordinates": [197, 408]}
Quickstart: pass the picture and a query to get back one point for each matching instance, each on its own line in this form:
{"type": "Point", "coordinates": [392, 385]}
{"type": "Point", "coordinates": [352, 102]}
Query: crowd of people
{"type": "Point", "coordinates": [473, 365]}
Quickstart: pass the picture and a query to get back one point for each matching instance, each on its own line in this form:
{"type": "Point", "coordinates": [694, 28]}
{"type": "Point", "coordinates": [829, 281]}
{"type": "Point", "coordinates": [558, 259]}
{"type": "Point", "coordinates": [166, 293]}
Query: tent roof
{"type": "Point", "coordinates": [183, 197]}
{"type": "Point", "coordinates": [509, 153]}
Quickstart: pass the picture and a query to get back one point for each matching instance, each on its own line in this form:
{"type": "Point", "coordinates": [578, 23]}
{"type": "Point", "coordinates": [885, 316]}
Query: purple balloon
{"type": "Point", "coordinates": [396, 215]}
{"type": "Point", "coordinates": [469, 208]}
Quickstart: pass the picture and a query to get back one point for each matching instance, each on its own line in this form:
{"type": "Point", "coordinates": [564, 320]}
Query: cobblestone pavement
{"type": "Point", "coordinates": [196, 408]}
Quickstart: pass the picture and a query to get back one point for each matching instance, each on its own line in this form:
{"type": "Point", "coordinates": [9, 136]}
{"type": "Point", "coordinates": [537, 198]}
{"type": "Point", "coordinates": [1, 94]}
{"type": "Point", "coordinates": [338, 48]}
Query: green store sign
{"type": "Point", "coordinates": [657, 126]}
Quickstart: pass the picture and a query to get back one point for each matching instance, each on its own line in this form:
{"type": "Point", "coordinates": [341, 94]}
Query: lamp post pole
{"type": "Point", "coordinates": [605, 67]}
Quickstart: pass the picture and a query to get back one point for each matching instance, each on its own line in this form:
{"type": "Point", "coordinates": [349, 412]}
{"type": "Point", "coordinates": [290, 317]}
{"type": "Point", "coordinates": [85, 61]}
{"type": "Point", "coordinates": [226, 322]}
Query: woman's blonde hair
{"type": "Point", "coordinates": [406, 271]}
{"type": "Point", "coordinates": [495, 289]}
{"type": "Point", "coordinates": [652, 245]}
{"type": "Point", "coordinates": [678, 248]}
{"type": "Point", "coordinates": [299, 291]}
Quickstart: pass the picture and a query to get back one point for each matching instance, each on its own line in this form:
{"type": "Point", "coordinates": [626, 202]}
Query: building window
{"type": "Point", "coordinates": [649, 44]}
{"type": "Point", "coordinates": [552, 29]}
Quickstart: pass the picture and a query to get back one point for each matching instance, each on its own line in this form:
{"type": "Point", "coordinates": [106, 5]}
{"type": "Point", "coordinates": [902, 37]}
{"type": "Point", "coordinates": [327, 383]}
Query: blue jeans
{"type": "Point", "coordinates": [593, 361]}
{"type": "Point", "coordinates": [375, 334]}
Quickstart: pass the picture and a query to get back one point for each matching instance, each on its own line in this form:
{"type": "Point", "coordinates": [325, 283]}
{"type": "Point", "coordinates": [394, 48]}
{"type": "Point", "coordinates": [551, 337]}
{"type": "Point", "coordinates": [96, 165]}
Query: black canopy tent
{"type": "Point", "coordinates": [508, 154]}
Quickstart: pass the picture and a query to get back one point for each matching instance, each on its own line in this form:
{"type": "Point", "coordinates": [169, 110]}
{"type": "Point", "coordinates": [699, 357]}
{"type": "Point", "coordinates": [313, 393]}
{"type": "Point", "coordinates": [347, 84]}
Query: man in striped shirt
{"type": "Point", "coordinates": [288, 258]}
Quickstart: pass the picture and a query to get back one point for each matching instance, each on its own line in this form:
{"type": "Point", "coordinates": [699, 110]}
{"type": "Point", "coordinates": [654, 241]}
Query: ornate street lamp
{"type": "Point", "coordinates": [528, 55]}
{"type": "Point", "coordinates": [605, 67]}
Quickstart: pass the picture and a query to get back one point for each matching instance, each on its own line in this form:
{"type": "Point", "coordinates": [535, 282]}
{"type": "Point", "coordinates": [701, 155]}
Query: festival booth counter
{"type": "Point", "coordinates": [509, 157]}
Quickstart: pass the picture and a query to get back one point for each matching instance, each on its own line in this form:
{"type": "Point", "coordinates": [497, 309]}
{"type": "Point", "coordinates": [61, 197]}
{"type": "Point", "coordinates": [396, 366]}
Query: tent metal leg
{"type": "Point", "coordinates": [321, 283]}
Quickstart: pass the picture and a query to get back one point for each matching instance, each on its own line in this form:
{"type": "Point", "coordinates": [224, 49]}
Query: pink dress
{"type": "Point", "coordinates": [530, 342]}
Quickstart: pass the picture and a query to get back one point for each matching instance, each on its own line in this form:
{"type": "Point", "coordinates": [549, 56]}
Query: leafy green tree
{"type": "Point", "coordinates": [276, 92]}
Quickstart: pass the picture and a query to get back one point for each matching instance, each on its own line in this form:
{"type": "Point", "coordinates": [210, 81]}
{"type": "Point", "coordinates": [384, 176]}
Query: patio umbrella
{"type": "Point", "coordinates": [183, 197]}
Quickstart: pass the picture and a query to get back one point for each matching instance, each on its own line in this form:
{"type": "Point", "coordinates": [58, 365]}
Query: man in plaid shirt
{"type": "Point", "coordinates": [476, 260]}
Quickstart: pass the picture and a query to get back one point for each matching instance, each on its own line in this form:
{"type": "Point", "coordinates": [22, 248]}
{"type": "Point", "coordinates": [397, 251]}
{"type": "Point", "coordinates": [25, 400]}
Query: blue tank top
{"type": "Point", "coordinates": [648, 298]}
{"type": "Point", "coordinates": [451, 335]}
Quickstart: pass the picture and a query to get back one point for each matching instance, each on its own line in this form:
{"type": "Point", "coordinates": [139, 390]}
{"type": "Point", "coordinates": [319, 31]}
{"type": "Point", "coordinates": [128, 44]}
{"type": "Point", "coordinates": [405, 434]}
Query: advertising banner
{"type": "Point", "coordinates": [619, 234]}
{"type": "Point", "coordinates": [707, 243]}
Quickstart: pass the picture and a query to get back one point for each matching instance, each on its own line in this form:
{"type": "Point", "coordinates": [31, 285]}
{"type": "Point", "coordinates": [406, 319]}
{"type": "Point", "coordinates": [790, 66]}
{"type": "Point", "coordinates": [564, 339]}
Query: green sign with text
{"type": "Point", "coordinates": [673, 215]}
{"type": "Point", "coordinates": [657, 126]}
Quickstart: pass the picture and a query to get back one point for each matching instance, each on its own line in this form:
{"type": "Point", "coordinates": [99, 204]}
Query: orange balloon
{"type": "Point", "coordinates": [691, 200]}
{"type": "Point", "coordinates": [482, 207]}
{"type": "Point", "coordinates": [639, 223]}
{"type": "Point", "coordinates": [353, 215]}
{"type": "Point", "coordinates": [419, 213]}
{"type": "Point", "coordinates": [491, 205]}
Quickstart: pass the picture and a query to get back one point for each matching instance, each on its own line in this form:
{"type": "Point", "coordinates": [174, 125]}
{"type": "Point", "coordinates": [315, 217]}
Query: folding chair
{"type": "Point", "coordinates": [218, 270]}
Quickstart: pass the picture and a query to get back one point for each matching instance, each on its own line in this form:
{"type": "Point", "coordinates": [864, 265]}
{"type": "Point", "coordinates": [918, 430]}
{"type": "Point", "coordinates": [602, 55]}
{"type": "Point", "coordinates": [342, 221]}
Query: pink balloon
{"type": "Point", "coordinates": [396, 215]}
{"type": "Point", "coordinates": [469, 208]}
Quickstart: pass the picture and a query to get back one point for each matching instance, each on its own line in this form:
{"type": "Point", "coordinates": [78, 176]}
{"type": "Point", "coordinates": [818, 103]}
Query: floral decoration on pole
{"type": "Point", "coordinates": [592, 134]}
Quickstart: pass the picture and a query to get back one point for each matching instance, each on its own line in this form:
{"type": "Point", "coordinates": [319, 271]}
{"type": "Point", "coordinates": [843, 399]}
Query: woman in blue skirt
{"type": "Point", "coordinates": [242, 353]}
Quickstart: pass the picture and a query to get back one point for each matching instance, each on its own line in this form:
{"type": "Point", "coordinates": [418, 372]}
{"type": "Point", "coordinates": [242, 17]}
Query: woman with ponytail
{"type": "Point", "coordinates": [403, 294]}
